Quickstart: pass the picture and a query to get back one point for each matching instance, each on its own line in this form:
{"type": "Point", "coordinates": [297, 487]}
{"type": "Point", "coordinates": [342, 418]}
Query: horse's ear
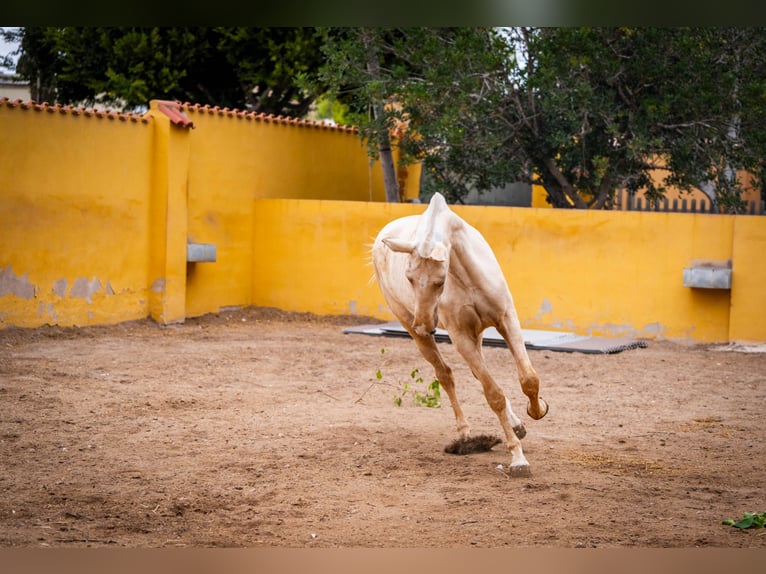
{"type": "Point", "coordinates": [399, 245]}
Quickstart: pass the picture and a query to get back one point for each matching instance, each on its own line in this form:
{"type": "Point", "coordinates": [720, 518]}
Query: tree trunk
{"type": "Point", "coordinates": [390, 182]}
{"type": "Point", "coordinates": [561, 192]}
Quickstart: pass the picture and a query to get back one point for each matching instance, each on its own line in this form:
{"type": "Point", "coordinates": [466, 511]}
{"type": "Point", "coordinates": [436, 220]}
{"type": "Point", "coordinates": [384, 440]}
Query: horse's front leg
{"type": "Point", "coordinates": [427, 346]}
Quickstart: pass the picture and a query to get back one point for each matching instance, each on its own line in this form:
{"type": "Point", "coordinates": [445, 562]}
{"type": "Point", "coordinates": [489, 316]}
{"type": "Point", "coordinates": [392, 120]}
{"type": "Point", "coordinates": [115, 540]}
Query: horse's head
{"type": "Point", "coordinates": [426, 272]}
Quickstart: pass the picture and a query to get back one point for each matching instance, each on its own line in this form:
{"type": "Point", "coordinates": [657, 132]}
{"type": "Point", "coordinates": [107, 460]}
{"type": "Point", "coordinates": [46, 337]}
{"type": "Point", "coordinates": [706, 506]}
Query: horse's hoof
{"type": "Point", "coordinates": [544, 407]}
{"type": "Point", "coordinates": [520, 431]}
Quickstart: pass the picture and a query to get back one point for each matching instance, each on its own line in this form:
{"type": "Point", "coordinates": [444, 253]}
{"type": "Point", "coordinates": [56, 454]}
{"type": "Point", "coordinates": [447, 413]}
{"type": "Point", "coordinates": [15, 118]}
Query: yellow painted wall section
{"type": "Point", "coordinates": [96, 210]}
{"type": "Point", "coordinates": [596, 273]}
{"type": "Point", "coordinates": [540, 196]}
{"type": "Point", "coordinates": [74, 216]}
{"type": "Point", "coordinates": [315, 255]}
{"type": "Point", "coordinates": [274, 157]}
{"type": "Point", "coordinates": [748, 285]}
{"type": "Point", "coordinates": [237, 157]}
{"type": "Point", "coordinates": [169, 218]}
{"type": "Point", "coordinates": [609, 274]}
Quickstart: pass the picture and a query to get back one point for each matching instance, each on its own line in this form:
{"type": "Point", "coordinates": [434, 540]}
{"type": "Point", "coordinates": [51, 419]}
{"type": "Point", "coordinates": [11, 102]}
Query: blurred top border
{"type": "Point", "coordinates": [389, 13]}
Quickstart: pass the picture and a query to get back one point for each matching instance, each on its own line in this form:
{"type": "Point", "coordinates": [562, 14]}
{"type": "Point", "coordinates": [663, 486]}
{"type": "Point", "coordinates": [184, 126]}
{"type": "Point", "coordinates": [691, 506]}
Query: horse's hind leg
{"type": "Point", "coordinates": [510, 329]}
{"type": "Point", "coordinates": [427, 346]}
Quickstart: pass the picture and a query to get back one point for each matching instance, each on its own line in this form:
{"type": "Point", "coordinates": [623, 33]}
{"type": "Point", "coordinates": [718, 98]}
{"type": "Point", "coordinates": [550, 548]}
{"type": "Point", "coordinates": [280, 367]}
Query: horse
{"type": "Point", "coordinates": [437, 271]}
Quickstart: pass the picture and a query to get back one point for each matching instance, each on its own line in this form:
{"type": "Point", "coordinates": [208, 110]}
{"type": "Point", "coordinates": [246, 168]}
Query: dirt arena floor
{"type": "Point", "coordinates": [259, 428]}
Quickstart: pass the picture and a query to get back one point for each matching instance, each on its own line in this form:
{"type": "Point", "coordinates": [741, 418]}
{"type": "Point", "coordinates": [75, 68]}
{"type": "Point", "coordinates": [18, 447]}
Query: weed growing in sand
{"type": "Point", "coordinates": [749, 520]}
{"type": "Point", "coordinates": [430, 398]}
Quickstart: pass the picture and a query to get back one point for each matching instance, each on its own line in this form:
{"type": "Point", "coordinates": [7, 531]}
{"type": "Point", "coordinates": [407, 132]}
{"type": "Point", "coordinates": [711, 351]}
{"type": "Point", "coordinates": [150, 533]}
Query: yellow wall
{"type": "Point", "coordinates": [96, 212]}
{"type": "Point", "coordinates": [265, 156]}
{"type": "Point", "coordinates": [74, 220]}
{"type": "Point", "coordinates": [314, 255]}
{"type": "Point", "coordinates": [596, 273]}
{"type": "Point", "coordinates": [748, 289]}
{"type": "Point", "coordinates": [96, 208]}
{"type": "Point", "coordinates": [235, 157]}
{"type": "Point", "coordinates": [610, 274]}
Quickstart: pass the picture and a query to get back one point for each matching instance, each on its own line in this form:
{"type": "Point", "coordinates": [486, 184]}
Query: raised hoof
{"type": "Point", "coordinates": [544, 406]}
{"type": "Point", "coordinates": [519, 470]}
{"type": "Point", "coordinates": [520, 431]}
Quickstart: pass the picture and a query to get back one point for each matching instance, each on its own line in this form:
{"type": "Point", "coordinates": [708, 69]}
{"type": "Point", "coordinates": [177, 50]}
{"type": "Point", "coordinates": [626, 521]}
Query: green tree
{"type": "Point", "coordinates": [259, 69]}
{"type": "Point", "coordinates": [582, 111]}
{"type": "Point", "coordinates": [360, 71]}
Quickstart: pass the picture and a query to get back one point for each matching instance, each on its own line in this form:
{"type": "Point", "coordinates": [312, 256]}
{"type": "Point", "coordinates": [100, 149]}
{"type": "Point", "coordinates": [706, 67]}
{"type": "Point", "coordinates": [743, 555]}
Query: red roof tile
{"type": "Point", "coordinates": [261, 116]}
{"type": "Point", "coordinates": [173, 111]}
{"type": "Point", "coordinates": [75, 111]}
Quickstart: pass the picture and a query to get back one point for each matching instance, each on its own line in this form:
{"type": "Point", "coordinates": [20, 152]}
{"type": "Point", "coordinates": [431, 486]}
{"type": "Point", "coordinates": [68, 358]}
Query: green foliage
{"type": "Point", "coordinates": [260, 69]}
{"type": "Point", "coordinates": [329, 108]}
{"type": "Point", "coordinates": [749, 520]}
{"type": "Point", "coordinates": [11, 36]}
{"type": "Point", "coordinates": [430, 397]}
{"type": "Point", "coordinates": [582, 111]}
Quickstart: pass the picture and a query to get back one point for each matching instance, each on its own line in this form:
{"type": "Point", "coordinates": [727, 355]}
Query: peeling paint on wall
{"type": "Point", "coordinates": [12, 284]}
{"type": "Point", "coordinates": [545, 307]}
{"type": "Point", "coordinates": [59, 288]}
{"type": "Point", "coordinates": [52, 313]}
{"type": "Point", "coordinates": [651, 330]}
{"type": "Point", "coordinates": [158, 286]}
{"type": "Point", "coordinates": [654, 330]}
{"type": "Point", "coordinates": [84, 289]}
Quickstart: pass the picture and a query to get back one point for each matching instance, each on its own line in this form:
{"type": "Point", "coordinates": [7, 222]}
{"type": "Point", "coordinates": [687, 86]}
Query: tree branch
{"type": "Point", "coordinates": [566, 187]}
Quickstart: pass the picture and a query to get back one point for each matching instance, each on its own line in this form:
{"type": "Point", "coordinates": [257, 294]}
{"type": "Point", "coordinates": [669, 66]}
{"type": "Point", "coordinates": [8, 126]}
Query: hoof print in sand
{"type": "Point", "coordinates": [470, 445]}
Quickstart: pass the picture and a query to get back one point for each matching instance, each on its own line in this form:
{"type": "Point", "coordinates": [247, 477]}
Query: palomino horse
{"type": "Point", "coordinates": [435, 270]}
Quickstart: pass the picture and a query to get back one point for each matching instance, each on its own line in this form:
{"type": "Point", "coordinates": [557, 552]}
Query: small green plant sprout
{"type": "Point", "coordinates": [379, 372]}
{"type": "Point", "coordinates": [399, 396]}
{"type": "Point", "coordinates": [378, 378]}
{"type": "Point", "coordinates": [749, 520]}
{"type": "Point", "coordinates": [431, 398]}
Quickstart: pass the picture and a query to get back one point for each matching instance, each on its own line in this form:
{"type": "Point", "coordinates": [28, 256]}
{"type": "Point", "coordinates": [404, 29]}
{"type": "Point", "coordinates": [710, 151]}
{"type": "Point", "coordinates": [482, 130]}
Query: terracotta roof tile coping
{"type": "Point", "coordinates": [260, 116]}
{"type": "Point", "coordinates": [75, 111]}
{"type": "Point", "coordinates": [173, 111]}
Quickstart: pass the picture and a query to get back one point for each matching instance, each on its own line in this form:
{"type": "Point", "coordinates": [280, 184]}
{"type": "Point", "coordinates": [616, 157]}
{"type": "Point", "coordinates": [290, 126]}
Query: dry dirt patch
{"type": "Point", "coordinates": [257, 427]}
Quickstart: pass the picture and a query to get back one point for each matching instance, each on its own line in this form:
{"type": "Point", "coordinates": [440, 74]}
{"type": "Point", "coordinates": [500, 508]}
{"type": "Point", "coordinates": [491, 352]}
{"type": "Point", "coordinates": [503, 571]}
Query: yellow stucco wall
{"type": "Point", "coordinates": [610, 274]}
{"type": "Point", "coordinates": [96, 212]}
{"type": "Point", "coordinates": [235, 157]}
{"type": "Point", "coordinates": [74, 220]}
{"type": "Point", "coordinates": [96, 208]}
{"type": "Point", "coordinates": [314, 255]}
{"type": "Point", "coordinates": [748, 289]}
{"type": "Point", "coordinates": [596, 273]}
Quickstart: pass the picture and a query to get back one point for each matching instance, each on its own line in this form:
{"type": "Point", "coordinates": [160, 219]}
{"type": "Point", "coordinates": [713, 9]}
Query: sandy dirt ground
{"type": "Point", "coordinates": [259, 428]}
